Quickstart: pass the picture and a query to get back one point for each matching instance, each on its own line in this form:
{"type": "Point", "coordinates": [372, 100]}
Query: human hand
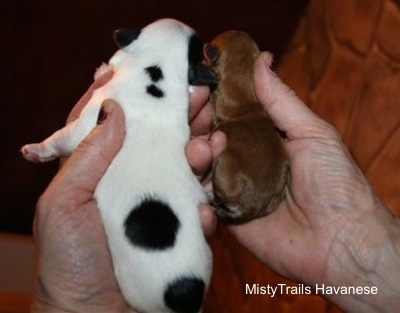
{"type": "Point", "coordinates": [324, 186]}
{"type": "Point", "coordinates": [330, 225]}
{"type": "Point", "coordinates": [203, 148]}
{"type": "Point", "coordinates": [75, 270]}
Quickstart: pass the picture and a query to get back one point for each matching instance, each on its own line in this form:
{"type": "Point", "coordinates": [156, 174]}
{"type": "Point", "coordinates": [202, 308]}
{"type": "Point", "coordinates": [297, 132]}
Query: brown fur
{"type": "Point", "coordinates": [249, 176]}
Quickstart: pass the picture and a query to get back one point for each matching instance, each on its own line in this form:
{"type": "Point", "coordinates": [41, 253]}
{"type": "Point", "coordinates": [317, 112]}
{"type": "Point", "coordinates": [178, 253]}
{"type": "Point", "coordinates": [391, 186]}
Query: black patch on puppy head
{"type": "Point", "coordinates": [185, 295]}
{"type": "Point", "coordinates": [124, 36]}
{"type": "Point", "coordinates": [152, 225]}
{"type": "Point", "coordinates": [155, 73]}
{"type": "Point", "coordinates": [195, 50]}
{"type": "Point", "coordinates": [199, 73]}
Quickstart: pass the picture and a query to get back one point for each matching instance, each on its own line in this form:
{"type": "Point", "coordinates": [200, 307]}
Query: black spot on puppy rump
{"type": "Point", "coordinates": [152, 225]}
{"type": "Point", "coordinates": [185, 295]}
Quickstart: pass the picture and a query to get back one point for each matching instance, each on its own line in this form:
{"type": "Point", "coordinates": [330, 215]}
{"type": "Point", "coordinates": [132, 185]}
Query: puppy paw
{"type": "Point", "coordinates": [102, 69]}
{"type": "Point", "coordinates": [269, 59]}
{"type": "Point", "coordinates": [36, 153]}
{"type": "Point", "coordinates": [208, 191]}
{"type": "Point", "coordinates": [229, 215]}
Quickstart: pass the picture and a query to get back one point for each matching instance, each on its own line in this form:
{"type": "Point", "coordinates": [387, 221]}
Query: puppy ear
{"type": "Point", "coordinates": [124, 36]}
{"type": "Point", "coordinates": [199, 73]}
{"type": "Point", "coordinates": [211, 53]}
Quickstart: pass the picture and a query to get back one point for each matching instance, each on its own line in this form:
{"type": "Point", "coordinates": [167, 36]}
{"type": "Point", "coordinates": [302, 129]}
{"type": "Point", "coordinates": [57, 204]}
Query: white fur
{"type": "Point", "coordinates": [151, 162]}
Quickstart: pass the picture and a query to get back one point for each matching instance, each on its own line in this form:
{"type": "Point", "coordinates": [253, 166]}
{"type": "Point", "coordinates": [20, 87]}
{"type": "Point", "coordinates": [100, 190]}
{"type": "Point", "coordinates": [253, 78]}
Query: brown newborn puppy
{"type": "Point", "coordinates": [249, 177]}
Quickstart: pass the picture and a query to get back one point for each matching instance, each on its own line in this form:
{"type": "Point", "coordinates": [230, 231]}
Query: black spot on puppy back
{"type": "Point", "coordinates": [185, 295]}
{"type": "Point", "coordinates": [155, 73]}
{"type": "Point", "coordinates": [152, 225]}
{"type": "Point", "coordinates": [154, 91]}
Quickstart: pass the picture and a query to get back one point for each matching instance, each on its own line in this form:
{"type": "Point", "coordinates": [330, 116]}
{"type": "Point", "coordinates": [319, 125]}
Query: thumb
{"type": "Point", "coordinates": [284, 107]}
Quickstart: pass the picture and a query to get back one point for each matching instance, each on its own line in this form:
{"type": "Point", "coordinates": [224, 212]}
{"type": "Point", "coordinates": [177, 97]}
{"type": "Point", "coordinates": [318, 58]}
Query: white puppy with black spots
{"type": "Point", "coordinates": [148, 197]}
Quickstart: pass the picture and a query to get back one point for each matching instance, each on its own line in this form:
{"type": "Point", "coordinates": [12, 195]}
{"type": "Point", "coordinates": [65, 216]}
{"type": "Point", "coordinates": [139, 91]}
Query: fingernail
{"type": "Point", "coordinates": [102, 116]}
{"type": "Point", "coordinates": [281, 133]}
{"type": "Point", "coordinates": [272, 66]}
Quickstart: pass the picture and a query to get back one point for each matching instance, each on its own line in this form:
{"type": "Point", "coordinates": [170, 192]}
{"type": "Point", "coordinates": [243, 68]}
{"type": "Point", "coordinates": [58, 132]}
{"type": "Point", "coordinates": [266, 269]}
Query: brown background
{"type": "Point", "coordinates": [50, 49]}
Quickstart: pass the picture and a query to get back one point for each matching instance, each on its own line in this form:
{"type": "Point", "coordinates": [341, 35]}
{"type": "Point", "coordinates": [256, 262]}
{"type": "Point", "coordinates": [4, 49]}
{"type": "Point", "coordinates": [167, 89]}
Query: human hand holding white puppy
{"type": "Point", "coordinates": [75, 271]}
{"type": "Point", "coordinates": [148, 197]}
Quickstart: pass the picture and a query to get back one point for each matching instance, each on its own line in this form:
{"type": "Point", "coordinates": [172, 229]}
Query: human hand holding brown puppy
{"type": "Point", "coordinates": [249, 176]}
{"type": "Point", "coordinates": [330, 228]}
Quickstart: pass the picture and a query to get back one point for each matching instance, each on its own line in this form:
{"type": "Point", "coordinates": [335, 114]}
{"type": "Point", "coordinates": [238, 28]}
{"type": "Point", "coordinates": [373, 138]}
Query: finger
{"type": "Point", "coordinates": [202, 123]}
{"type": "Point", "coordinates": [197, 99]}
{"type": "Point", "coordinates": [100, 81]}
{"type": "Point", "coordinates": [208, 219]}
{"type": "Point", "coordinates": [199, 155]}
{"type": "Point", "coordinates": [218, 142]}
{"type": "Point", "coordinates": [87, 164]}
{"type": "Point", "coordinates": [201, 152]}
{"type": "Point", "coordinates": [287, 111]}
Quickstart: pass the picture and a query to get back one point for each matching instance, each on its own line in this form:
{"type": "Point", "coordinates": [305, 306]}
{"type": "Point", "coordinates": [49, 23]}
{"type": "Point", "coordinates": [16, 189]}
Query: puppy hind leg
{"type": "Point", "coordinates": [65, 140]}
{"type": "Point", "coordinates": [228, 184]}
{"type": "Point", "coordinates": [61, 143]}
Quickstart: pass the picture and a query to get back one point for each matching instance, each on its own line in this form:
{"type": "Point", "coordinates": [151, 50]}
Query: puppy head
{"type": "Point", "coordinates": [232, 55]}
{"type": "Point", "coordinates": [229, 47]}
{"type": "Point", "coordinates": [168, 41]}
